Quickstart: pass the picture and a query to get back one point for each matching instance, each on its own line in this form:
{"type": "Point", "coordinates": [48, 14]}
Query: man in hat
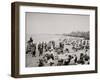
{"type": "Point", "coordinates": [29, 43]}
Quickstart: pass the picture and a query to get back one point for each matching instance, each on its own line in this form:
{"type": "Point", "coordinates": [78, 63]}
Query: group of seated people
{"type": "Point", "coordinates": [51, 58]}
{"type": "Point", "coordinates": [50, 55]}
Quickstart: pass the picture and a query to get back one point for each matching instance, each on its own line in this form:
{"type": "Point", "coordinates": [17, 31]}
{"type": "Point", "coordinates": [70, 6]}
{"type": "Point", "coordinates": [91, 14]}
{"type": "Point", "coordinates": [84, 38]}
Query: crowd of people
{"type": "Point", "coordinates": [54, 53]}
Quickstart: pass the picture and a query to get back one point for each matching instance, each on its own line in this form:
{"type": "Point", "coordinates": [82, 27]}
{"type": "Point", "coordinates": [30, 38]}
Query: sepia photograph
{"type": "Point", "coordinates": [53, 39]}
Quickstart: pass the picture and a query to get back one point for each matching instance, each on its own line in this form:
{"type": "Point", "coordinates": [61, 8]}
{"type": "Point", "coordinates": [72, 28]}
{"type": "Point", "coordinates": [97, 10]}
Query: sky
{"type": "Point", "coordinates": [50, 23]}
